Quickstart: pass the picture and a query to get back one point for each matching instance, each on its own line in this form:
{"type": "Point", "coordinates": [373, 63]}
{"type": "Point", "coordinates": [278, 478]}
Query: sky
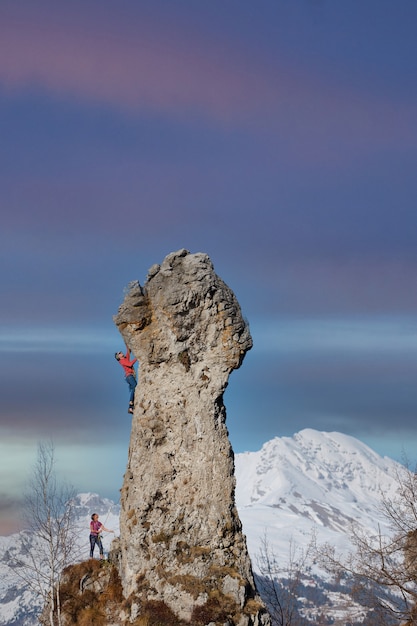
{"type": "Point", "coordinates": [278, 137]}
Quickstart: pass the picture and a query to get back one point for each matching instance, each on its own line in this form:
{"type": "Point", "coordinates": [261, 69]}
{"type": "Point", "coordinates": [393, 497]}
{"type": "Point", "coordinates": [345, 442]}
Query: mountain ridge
{"type": "Point", "coordinates": [314, 482]}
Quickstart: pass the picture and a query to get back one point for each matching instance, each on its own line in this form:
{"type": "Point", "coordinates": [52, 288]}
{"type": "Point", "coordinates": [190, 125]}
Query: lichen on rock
{"type": "Point", "coordinates": [181, 540]}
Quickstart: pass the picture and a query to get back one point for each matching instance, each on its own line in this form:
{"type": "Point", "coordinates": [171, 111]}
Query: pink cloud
{"type": "Point", "coordinates": [10, 523]}
{"type": "Point", "coordinates": [138, 66]}
{"type": "Point", "coordinates": [134, 63]}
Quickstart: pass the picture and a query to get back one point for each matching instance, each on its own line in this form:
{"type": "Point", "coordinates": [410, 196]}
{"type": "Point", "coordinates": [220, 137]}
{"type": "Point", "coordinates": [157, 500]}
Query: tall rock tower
{"type": "Point", "coordinates": [181, 541]}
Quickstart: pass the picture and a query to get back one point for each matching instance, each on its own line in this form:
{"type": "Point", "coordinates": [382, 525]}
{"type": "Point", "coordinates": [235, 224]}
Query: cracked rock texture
{"type": "Point", "coordinates": [181, 539]}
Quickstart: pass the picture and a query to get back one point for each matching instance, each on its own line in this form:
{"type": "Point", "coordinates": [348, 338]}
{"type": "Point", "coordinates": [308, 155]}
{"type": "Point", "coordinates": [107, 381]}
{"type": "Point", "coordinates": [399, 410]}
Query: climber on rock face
{"type": "Point", "coordinates": [130, 374]}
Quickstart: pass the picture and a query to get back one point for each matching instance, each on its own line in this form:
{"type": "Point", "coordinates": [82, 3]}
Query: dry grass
{"type": "Point", "coordinates": [221, 572]}
{"type": "Point", "coordinates": [218, 608]}
{"type": "Point", "coordinates": [157, 613]}
{"type": "Point", "coordinates": [252, 607]}
{"type": "Point", "coordinates": [102, 601]}
{"type": "Point", "coordinates": [188, 554]}
{"type": "Point", "coordinates": [161, 537]}
{"type": "Point", "coordinates": [190, 584]}
{"type": "Point", "coordinates": [87, 606]}
{"type": "Point", "coordinates": [91, 615]}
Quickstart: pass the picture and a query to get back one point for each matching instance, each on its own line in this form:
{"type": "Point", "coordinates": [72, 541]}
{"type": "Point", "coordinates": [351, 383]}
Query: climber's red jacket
{"type": "Point", "coordinates": [127, 364]}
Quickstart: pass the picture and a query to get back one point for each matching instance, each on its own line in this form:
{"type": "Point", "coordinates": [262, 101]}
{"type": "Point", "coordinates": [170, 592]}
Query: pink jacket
{"type": "Point", "coordinates": [95, 527]}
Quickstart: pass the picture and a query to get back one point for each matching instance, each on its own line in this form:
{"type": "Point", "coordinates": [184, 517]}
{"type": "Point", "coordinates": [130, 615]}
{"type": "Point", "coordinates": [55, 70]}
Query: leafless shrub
{"type": "Point", "coordinates": [382, 566]}
{"type": "Point", "coordinates": [282, 598]}
{"type": "Point", "coordinates": [47, 544]}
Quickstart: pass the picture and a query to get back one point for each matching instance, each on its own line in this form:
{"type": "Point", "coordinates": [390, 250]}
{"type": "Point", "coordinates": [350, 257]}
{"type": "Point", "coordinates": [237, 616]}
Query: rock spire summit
{"type": "Point", "coordinates": [181, 540]}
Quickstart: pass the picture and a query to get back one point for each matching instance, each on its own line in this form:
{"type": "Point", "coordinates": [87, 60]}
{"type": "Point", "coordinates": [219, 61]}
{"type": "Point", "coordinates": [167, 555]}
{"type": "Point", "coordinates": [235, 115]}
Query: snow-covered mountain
{"type": "Point", "coordinates": [311, 488]}
{"type": "Point", "coordinates": [313, 482]}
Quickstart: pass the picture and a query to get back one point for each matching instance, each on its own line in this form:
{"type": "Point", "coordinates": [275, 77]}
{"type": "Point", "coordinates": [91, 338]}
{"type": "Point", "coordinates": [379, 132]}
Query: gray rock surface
{"type": "Point", "coordinates": [181, 539]}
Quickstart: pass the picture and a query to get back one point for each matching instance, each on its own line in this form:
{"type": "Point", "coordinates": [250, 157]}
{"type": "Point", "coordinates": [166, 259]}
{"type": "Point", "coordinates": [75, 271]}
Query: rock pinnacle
{"type": "Point", "coordinates": [181, 541]}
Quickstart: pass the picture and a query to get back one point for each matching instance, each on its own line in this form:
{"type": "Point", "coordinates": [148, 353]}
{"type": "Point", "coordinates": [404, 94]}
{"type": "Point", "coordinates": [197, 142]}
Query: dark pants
{"type": "Point", "coordinates": [131, 381]}
{"type": "Point", "coordinates": [95, 539]}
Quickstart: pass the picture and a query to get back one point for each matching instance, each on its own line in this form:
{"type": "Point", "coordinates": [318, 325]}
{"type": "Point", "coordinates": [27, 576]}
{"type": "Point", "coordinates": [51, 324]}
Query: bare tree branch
{"type": "Point", "coordinates": [47, 544]}
{"type": "Point", "coordinates": [383, 566]}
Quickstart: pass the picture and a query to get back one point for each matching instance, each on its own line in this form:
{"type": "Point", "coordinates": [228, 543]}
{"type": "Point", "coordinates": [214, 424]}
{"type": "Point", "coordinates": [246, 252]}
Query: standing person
{"type": "Point", "coordinates": [96, 529]}
{"type": "Point", "coordinates": [130, 374]}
